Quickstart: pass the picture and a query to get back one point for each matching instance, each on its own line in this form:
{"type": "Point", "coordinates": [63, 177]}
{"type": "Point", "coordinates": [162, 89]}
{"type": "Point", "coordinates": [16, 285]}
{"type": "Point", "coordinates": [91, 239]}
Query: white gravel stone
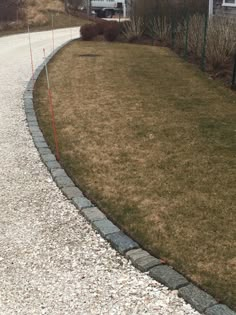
{"type": "Point", "coordinates": [51, 260]}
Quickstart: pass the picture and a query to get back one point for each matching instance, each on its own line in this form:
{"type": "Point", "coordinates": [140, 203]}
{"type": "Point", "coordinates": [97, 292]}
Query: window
{"type": "Point", "coordinates": [229, 3]}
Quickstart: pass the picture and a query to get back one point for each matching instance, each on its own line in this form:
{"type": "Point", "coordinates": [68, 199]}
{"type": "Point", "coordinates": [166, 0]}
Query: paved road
{"type": "Point", "coordinates": [51, 261]}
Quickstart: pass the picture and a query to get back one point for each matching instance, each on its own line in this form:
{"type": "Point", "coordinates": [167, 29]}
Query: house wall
{"type": "Point", "coordinates": [226, 11]}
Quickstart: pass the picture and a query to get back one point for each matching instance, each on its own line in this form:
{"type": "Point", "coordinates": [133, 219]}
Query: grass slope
{"type": "Point", "coordinates": [39, 15]}
{"type": "Point", "coordinates": [151, 140]}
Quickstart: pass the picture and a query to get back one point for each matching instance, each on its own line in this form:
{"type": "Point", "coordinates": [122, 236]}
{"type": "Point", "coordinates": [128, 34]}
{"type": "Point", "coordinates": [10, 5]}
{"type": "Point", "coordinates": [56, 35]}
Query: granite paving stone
{"type": "Point", "coordinates": [220, 309]}
{"type": "Point", "coordinates": [168, 276]}
{"type": "Point", "coordinates": [52, 165]}
{"type": "Point", "coordinates": [121, 242]}
{"type": "Point", "coordinates": [64, 181]}
{"type": "Point", "coordinates": [93, 214]}
{"type": "Point", "coordinates": [146, 263]}
{"type": "Point", "coordinates": [44, 151]}
{"type": "Point", "coordinates": [36, 133]}
{"type": "Point", "coordinates": [41, 144]}
{"type": "Point", "coordinates": [72, 192]}
{"type": "Point", "coordinates": [105, 227]}
{"type": "Point", "coordinates": [82, 203]}
{"type": "Point", "coordinates": [197, 297]}
{"type": "Point", "coordinates": [39, 139]}
{"type": "Point", "coordinates": [48, 157]}
{"type": "Point", "coordinates": [58, 172]}
{"type": "Point", "coordinates": [135, 254]}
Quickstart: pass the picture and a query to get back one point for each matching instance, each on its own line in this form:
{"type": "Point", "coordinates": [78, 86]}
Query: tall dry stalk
{"type": "Point", "coordinates": [221, 40]}
{"type": "Point", "coordinates": [196, 33]}
{"type": "Point", "coordinates": [160, 29]}
{"type": "Point", "coordinates": [133, 29]}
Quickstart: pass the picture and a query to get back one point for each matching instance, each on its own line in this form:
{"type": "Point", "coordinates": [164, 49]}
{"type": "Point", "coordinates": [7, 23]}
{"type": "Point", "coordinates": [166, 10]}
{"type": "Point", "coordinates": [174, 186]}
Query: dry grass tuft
{"type": "Point", "coordinates": [160, 29]}
{"type": "Point", "coordinates": [133, 29]}
{"type": "Point", "coordinates": [37, 10]}
{"type": "Point", "coordinates": [39, 19]}
{"type": "Point", "coordinates": [221, 41]}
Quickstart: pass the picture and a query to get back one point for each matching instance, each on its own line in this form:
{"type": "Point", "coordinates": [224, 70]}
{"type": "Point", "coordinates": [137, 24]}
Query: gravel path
{"type": "Point", "coordinates": [51, 260]}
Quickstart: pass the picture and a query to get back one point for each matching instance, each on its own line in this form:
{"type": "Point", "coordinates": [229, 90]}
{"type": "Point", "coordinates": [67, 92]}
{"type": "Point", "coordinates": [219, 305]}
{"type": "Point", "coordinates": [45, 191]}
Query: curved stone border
{"type": "Point", "coordinates": [197, 298]}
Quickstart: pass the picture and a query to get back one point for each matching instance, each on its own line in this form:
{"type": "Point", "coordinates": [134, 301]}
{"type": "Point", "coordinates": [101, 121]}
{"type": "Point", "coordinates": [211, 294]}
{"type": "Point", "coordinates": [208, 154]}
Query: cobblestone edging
{"type": "Point", "coordinates": [141, 259]}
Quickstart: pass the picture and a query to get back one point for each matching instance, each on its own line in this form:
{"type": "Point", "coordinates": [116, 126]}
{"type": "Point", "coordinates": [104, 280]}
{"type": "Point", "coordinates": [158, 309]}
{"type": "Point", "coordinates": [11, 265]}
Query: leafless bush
{"type": "Point", "coordinates": [180, 35]}
{"type": "Point", "coordinates": [39, 19]}
{"type": "Point", "coordinates": [133, 29]}
{"type": "Point", "coordinates": [159, 29]}
{"type": "Point", "coordinates": [221, 40]}
{"type": "Point", "coordinates": [196, 31]}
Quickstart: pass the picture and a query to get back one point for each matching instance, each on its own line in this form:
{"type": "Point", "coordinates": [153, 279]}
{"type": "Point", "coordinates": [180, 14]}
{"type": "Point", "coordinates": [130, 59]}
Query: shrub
{"type": "Point", "coordinates": [101, 26]}
{"type": "Point", "coordinates": [112, 31]}
{"type": "Point", "coordinates": [160, 29]}
{"type": "Point", "coordinates": [196, 32]}
{"type": "Point", "coordinates": [134, 29]}
{"type": "Point", "coordinates": [221, 40]}
{"type": "Point", "coordinates": [88, 31]}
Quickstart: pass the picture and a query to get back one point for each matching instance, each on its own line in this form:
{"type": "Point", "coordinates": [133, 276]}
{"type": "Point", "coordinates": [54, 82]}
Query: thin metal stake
{"type": "Point", "coordinates": [234, 74]}
{"type": "Point", "coordinates": [186, 38]}
{"type": "Point", "coordinates": [173, 32]}
{"type": "Point", "coordinates": [52, 33]}
{"type": "Point", "coordinates": [31, 54]}
{"type": "Point", "coordinates": [203, 66]}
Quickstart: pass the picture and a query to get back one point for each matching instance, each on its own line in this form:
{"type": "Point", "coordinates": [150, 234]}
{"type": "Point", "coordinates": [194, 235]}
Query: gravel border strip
{"type": "Point", "coordinates": [142, 260]}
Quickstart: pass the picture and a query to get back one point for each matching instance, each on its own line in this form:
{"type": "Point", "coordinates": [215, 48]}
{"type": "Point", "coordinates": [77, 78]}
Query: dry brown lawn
{"type": "Point", "coordinates": [152, 141]}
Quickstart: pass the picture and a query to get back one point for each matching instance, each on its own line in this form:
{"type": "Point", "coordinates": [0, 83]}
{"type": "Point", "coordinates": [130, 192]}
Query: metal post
{"type": "Point", "coordinates": [66, 7]}
{"type": "Point", "coordinates": [52, 17]}
{"type": "Point", "coordinates": [31, 54]}
{"type": "Point", "coordinates": [186, 37]}
{"type": "Point", "coordinates": [17, 13]}
{"type": "Point", "coordinates": [203, 66]}
{"type": "Point", "coordinates": [234, 74]}
{"type": "Point", "coordinates": [173, 32]}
